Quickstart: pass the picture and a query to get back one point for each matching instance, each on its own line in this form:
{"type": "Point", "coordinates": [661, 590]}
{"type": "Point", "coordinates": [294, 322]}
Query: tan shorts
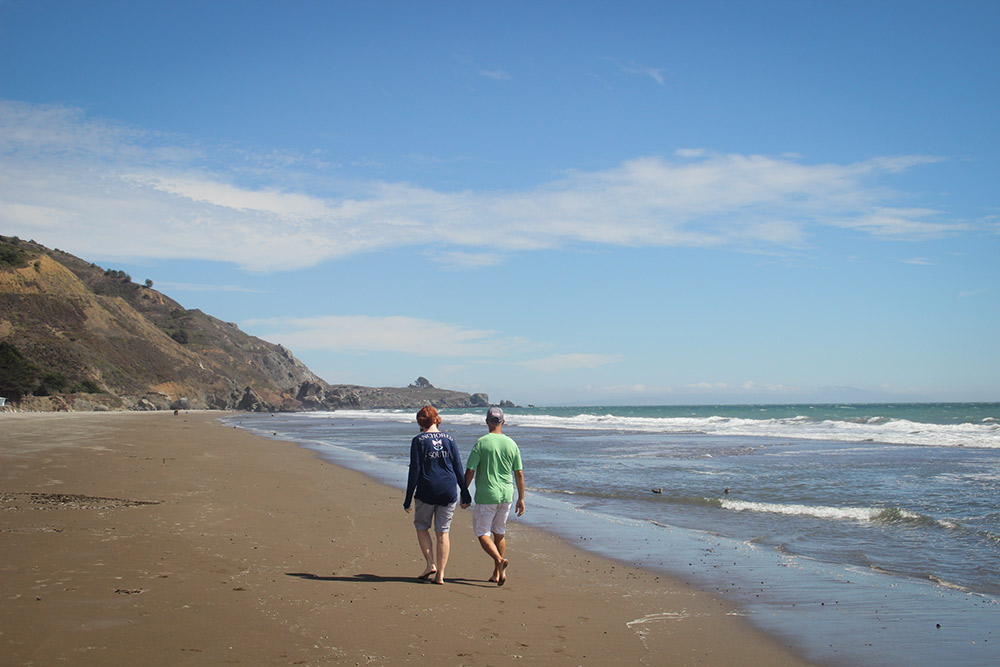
{"type": "Point", "coordinates": [441, 515]}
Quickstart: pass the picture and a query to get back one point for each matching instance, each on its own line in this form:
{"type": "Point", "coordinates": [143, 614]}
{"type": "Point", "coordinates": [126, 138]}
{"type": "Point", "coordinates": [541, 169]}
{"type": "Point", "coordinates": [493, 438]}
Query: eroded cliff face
{"type": "Point", "coordinates": [84, 338]}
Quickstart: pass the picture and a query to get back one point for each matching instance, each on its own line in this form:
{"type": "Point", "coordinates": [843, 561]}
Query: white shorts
{"type": "Point", "coordinates": [488, 519]}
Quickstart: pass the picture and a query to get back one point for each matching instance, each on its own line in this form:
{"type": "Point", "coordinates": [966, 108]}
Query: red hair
{"type": "Point", "coordinates": [428, 416]}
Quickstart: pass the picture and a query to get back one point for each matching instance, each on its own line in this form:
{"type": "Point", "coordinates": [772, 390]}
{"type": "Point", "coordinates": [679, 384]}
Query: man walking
{"type": "Point", "coordinates": [495, 462]}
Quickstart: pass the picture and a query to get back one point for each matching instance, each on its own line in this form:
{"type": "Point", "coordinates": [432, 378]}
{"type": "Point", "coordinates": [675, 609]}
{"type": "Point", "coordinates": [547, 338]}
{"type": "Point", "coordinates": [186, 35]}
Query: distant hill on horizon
{"type": "Point", "coordinates": [76, 336]}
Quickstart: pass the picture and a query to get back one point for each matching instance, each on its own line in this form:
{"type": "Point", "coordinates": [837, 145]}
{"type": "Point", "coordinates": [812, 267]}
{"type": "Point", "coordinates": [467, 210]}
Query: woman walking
{"type": "Point", "coordinates": [435, 473]}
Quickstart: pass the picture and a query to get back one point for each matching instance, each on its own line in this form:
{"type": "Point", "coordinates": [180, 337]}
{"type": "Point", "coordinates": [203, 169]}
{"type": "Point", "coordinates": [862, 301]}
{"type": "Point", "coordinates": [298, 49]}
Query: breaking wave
{"type": "Point", "coordinates": [858, 514]}
{"type": "Point", "coordinates": [886, 430]}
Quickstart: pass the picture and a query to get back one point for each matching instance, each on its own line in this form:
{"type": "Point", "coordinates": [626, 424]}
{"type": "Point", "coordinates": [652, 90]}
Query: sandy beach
{"type": "Point", "coordinates": [162, 539]}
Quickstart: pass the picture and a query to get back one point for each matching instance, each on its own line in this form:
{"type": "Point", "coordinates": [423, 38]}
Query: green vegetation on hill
{"type": "Point", "coordinates": [14, 253]}
{"type": "Point", "coordinates": [17, 375]}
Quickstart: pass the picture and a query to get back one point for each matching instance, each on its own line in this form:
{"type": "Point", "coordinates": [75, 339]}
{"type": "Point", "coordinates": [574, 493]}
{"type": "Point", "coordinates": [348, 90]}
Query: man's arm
{"type": "Point", "coordinates": [519, 479]}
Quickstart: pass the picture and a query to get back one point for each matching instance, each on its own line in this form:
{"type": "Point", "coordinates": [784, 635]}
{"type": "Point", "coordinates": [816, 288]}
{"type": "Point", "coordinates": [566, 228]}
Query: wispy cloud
{"type": "Point", "coordinates": [641, 391]}
{"type": "Point", "coordinates": [495, 74]}
{"type": "Point", "coordinates": [748, 387]}
{"type": "Point", "coordinates": [416, 336]}
{"type": "Point", "coordinates": [901, 223]}
{"type": "Point", "coordinates": [465, 260]}
{"type": "Point", "coordinates": [362, 333]}
{"type": "Point", "coordinates": [566, 362]}
{"type": "Point", "coordinates": [633, 68]}
{"type": "Point", "coordinates": [195, 287]}
{"type": "Point", "coordinates": [108, 191]}
{"type": "Point", "coordinates": [918, 261]}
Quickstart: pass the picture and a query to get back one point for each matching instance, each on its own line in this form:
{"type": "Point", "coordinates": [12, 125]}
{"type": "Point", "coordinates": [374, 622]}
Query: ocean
{"type": "Point", "coordinates": [862, 534]}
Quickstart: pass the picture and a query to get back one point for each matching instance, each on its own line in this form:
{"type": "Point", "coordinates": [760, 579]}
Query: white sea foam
{"type": "Point", "coordinates": [877, 429]}
{"type": "Point", "coordinates": [662, 616]}
{"type": "Point", "coordinates": [861, 514]}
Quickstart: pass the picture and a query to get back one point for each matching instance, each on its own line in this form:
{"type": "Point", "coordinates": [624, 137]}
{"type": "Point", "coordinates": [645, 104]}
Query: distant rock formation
{"type": "Point", "coordinates": [401, 398]}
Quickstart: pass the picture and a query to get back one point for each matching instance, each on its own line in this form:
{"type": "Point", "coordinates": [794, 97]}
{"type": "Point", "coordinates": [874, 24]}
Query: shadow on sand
{"type": "Point", "coordinates": [378, 578]}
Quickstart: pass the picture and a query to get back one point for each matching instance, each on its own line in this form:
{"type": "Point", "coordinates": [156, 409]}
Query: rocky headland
{"type": "Point", "coordinates": [76, 336]}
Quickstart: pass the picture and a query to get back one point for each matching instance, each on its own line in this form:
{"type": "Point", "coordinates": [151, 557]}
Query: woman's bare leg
{"type": "Point", "coordinates": [444, 548]}
{"type": "Point", "coordinates": [427, 549]}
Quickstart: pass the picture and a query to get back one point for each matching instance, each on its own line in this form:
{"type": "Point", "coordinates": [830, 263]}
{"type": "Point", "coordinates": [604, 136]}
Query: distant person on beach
{"type": "Point", "coordinates": [495, 461]}
{"type": "Point", "coordinates": [435, 474]}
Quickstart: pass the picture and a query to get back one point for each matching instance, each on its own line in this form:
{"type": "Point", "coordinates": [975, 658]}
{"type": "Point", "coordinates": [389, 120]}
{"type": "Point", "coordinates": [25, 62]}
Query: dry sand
{"type": "Point", "coordinates": [155, 539]}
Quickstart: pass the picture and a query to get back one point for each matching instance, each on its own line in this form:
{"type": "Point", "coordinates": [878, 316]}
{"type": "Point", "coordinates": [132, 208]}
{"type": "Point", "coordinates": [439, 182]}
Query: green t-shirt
{"type": "Point", "coordinates": [494, 457]}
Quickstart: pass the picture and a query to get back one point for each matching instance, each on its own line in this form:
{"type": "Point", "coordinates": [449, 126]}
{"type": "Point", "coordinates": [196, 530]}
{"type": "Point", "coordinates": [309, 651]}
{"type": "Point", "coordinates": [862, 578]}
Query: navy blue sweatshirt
{"type": "Point", "coordinates": [435, 471]}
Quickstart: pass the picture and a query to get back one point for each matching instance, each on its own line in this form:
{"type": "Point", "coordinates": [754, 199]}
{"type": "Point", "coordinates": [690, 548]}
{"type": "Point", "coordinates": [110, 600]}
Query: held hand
{"type": "Point", "coordinates": [520, 506]}
{"type": "Point", "coordinates": [406, 509]}
{"type": "Point", "coordinates": [466, 506]}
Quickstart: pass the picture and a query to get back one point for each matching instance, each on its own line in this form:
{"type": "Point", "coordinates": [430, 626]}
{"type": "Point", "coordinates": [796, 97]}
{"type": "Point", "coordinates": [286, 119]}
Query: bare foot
{"type": "Point", "coordinates": [439, 581]}
{"type": "Point", "coordinates": [502, 577]}
{"type": "Point", "coordinates": [428, 573]}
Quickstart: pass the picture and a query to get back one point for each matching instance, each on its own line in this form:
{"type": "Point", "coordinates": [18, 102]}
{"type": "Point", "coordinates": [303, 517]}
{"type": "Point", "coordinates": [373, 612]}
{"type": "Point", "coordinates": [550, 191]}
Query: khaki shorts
{"type": "Point", "coordinates": [424, 513]}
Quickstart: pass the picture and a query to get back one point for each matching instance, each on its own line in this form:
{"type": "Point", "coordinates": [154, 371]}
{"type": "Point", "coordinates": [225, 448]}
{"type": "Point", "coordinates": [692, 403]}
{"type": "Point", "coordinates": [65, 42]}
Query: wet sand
{"type": "Point", "coordinates": [161, 539]}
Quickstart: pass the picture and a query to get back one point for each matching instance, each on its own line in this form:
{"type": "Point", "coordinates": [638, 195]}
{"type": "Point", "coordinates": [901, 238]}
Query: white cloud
{"type": "Point", "coordinates": [701, 391]}
{"type": "Point", "coordinates": [566, 362]}
{"type": "Point", "coordinates": [918, 261]}
{"type": "Point", "coordinates": [416, 336]}
{"type": "Point", "coordinates": [195, 287]}
{"type": "Point", "coordinates": [654, 73]}
{"type": "Point", "coordinates": [361, 333]}
{"type": "Point", "coordinates": [106, 191]}
{"type": "Point", "coordinates": [495, 74]}
{"type": "Point", "coordinates": [747, 387]}
{"type": "Point", "coordinates": [226, 196]}
{"type": "Point", "coordinates": [708, 385]}
{"type": "Point", "coordinates": [910, 223]}
{"type": "Point", "coordinates": [464, 260]}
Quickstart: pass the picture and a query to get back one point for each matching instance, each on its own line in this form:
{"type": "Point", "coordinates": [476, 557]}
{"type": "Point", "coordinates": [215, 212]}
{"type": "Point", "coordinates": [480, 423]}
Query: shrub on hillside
{"type": "Point", "coordinates": [51, 383]}
{"type": "Point", "coordinates": [85, 387]}
{"type": "Point", "coordinates": [13, 255]}
{"type": "Point", "coordinates": [17, 375]}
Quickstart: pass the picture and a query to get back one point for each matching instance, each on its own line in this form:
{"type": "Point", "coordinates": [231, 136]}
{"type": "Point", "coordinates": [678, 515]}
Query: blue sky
{"type": "Point", "coordinates": [551, 202]}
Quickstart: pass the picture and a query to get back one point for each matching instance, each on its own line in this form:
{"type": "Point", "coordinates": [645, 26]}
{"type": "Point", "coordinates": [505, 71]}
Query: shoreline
{"type": "Point", "coordinates": [177, 540]}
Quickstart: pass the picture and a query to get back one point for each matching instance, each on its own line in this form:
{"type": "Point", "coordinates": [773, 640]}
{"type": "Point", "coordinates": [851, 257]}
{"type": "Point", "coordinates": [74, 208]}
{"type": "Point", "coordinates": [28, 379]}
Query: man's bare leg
{"type": "Point", "coordinates": [444, 547]}
{"type": "Point", "coordinates": [490, 547]}
{"type": "Point", "coordinates": [427, 549]}
{"type": "Point", "coordinates": [501, 546]}
{"type": "Point", "coordinates": [498, 574]}
{"type": "Point", "coordinates": [496, 546]}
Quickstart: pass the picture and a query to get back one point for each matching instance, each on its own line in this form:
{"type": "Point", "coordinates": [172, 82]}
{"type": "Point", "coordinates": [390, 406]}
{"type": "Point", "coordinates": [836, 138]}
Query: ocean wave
{"type": "Point", "coordinates": [857, 514]}
{"type": "Point", "coordinates": [877, 429]}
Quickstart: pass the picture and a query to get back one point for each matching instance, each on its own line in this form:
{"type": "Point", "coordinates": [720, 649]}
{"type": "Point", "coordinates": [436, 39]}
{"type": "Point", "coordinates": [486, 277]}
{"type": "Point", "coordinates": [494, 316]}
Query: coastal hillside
{"type": "Point", "coordinates": [76, 336]}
